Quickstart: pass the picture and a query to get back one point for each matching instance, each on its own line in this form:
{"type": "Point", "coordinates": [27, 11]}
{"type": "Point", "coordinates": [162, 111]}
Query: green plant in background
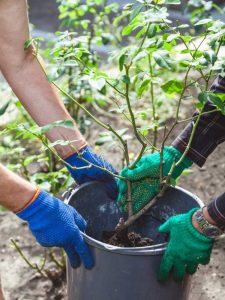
{"type": "Point", "coordinates": [89, 27]}
{"type": "Point", "coordinates": [201, 9]}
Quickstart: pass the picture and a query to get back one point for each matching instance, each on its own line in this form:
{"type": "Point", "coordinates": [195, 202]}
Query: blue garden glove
{"type": "Point", "coordinates": [187, 247]}
{"type": "Point", "coordinates": [54, 223]}
{"type": "Point", "coordinates": [92, 173]}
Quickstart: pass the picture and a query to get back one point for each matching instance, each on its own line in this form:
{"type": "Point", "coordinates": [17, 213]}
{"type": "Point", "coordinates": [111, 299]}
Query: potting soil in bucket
{"type": "Point", "coordinates": [125, 273]}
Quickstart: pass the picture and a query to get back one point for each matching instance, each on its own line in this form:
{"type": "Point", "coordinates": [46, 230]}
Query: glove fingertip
{"type": "Point", "coordinates": [191, 269]}
{"type": "Point", "coordinates": [165, 268]}
{"type": "Point", "coordinates": [165, 227]}
{"type": "Point", "coordinates": [89, 263]}
{"type": "Point", "coordinates": [84, 252]}
{"type": "Point", "coordinates": [87, 258]}
{"type": "Point", "coordinates": [76, 264]}
{"type": "Point", "coordinates": [162, 276]}
{"type": "Point", "coordinates": [73, 258]}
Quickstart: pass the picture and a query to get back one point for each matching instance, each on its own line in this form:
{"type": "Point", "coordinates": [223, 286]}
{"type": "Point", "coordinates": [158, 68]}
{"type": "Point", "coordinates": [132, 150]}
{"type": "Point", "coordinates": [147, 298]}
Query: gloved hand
{"type": "Point", "coordinates": [54, 223]}
{"type": "Point", "coordinates": [92, 173]}
{"type": "Point", "coordinates": [186, 249]}
{"type": "Point", "coordinates": [149, 167]}
{"type": "Point", "coordinates": [142, 191]}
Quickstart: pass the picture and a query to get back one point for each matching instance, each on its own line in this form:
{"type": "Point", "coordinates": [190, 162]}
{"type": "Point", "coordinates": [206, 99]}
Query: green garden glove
{"type": "Point", "coordinates": [145, 171]}
{"type": "Point", "coordinates": [187, 248]}
{"type": "Point", "coordinates": [142, 191]}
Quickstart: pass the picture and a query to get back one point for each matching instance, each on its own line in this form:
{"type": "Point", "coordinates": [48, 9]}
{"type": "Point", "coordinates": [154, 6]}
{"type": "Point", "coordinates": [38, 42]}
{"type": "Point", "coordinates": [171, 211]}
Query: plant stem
{"type": "Point", "coordinates": [143, 40]}
{"type": "Point", "coordinates": [67, 164]}
{"type": "Point", "coordinates": [59, 264]}
{"type": "Point", "coordinates": [155, 132]}
{"type": "Point", "coordinates": [195, 117]}
{"type": "Point", "coordinates": [178, 107]}
{"type": "Point", "coordinates": [81, 106]}
{"type": "Point", "coordinates": [133, 121]}
{"type": "Point", "coordinates": [161, 157]}
{"type": "Point", "coordinates": [190, 140]}
{"type": "Point", "coordinates": [32, 266]}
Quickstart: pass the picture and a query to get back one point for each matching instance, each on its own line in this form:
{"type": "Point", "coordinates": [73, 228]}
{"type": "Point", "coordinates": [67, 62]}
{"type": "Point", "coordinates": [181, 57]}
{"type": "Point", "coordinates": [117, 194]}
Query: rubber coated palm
{"type": "Point", "coordinates": [142, 191]}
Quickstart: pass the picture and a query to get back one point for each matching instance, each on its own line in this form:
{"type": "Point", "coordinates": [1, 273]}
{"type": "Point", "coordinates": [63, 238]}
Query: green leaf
{"type": "Point", "coordinates": [218, 100]}
{"type": "Point", "coordinates": [4, 108]}
{"type": "Point", "coordinates": [172, 37]}
{"type": "Point", "coordinates": [172, 2]}
{"type": "Point", "coordinates": [63, 123]}
{"type": "Point", "coordinates": [144, 86]}
{"type": "Point", "coordinates": [136, 12]}
{"type": "Point", "coordinates": [97, 83]}
{"type": "Point", "coordinates": [144, 130]}
{"type": "Point", "coordinates": [126, 79]}
{"type": "Point", "coordinates": [203, 97]}
{"type": "Point", "coordinates": [162, 59]}
{"type": "Point", "coordinates": [210, 56]}
{"type": "Point", "coordinates": [103, 139]}
{"type": "Point", "coordinates": [203, 22]}
{"type": "Point", "coordinates": [152, 30]}
{"type": "Point", "coordinates": [173, 182]}
{"type": "Point", "coordinates": [29, 42]}
{"type": "Point", "coordinates": [183, 26]}
{"type": "Point", "coordinates": [29, 160]}
{"type": "Point", "coordinates": [127, 30]}
{"type": "Point", "coordinates": [173, 87]}
{"type": "Point", "coordinates": [187, 172]}
{"type": "Point", "coordinates": [122, 61]}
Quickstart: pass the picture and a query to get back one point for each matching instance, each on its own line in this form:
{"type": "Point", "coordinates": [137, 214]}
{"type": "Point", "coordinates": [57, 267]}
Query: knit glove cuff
{"type": "Point", "coordinates": [200, 237]}
{"type": "Point", "coordinates": [33, 207]}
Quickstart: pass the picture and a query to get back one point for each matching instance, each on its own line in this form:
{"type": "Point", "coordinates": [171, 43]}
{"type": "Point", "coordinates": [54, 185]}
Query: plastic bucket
{"type": "Point", "coordinates": [125, 273]}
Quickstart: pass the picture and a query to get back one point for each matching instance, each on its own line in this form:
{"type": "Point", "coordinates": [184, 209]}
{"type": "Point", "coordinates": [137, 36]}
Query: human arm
{"type": "Point", "coordinates": [52, 222]}
{"type": "Point", "coordinates": [41, 99]}
{"type": "Point", "coordinates": [24, 74]}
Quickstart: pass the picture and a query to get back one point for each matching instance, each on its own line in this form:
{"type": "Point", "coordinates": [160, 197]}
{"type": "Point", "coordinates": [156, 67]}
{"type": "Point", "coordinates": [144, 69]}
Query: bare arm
{"type": "Point", "coordinates": [24, 74]}
{"type": "Point", "coordinates": [15, 191]}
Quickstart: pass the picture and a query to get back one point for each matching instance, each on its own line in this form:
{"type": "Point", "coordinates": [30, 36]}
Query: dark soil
{"type": "Point", "coordinates": [126, 239]}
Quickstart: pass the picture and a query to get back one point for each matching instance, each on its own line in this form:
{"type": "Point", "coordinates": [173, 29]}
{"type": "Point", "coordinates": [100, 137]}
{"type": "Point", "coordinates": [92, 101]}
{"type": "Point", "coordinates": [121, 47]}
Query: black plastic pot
{"type": "Point", "coordinates": [125, 273]}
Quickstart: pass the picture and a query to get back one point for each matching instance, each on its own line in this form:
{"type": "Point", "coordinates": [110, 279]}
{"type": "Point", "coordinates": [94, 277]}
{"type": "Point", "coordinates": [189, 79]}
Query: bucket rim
{"type": "Point", "coordinates": [157, 249]}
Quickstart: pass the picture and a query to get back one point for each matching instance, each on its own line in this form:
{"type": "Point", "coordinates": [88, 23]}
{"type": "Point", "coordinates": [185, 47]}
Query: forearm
{"type": "Point", "coordinates": [27, 79]}
{"type": "Point", "coordinates": [210, 131]}
{"type": "Point", "coordinates": [43, 103]}
{"type": "Point", "coordinates": [15, 191]}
